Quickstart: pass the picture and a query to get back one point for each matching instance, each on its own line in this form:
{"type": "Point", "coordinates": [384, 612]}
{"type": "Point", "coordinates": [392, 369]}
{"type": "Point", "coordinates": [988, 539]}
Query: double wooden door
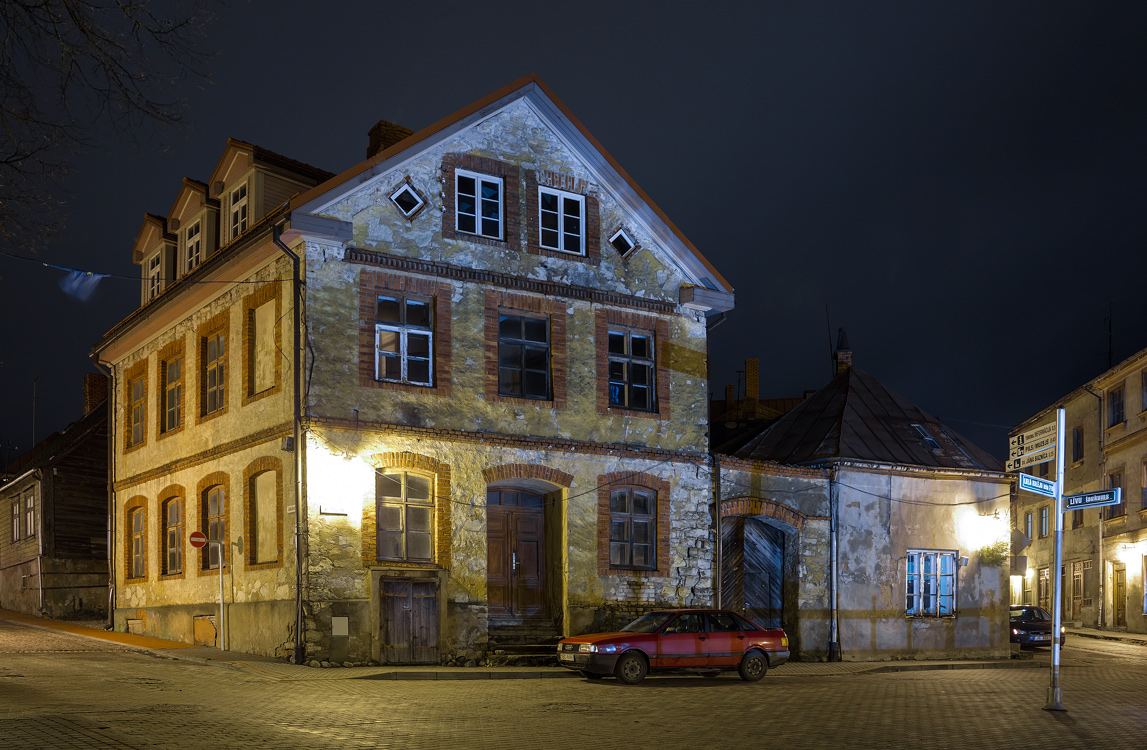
{"type": "Point", "coordinates": [516, 558]}
{"type": "Point", "coordinates": [409, 621]}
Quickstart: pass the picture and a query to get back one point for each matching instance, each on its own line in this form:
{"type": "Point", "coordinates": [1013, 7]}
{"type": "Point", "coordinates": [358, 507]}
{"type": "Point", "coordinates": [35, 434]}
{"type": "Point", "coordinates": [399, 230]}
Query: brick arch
{"type": "Point", "coordinates": [221, 479]}
{"type": "Point", "coordinates": [259, 466]}
{"type": "Point", "coordinates": [757, 506]}
{"type": "Point", "coordinates": [442, 505]}
{"type": "Point", "coordinates": [527, 471]}
{"type": "Point", "coordinates": [137, 502]}
{"type": "Point", "coordinates": [166, 495]}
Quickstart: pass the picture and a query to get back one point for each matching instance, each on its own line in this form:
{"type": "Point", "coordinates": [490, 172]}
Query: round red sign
{"type": "Point", "coordinates": [198, 539]}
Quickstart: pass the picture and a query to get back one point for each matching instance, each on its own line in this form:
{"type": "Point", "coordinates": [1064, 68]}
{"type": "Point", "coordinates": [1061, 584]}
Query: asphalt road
{"type": "Point", "coordinates": [64, 691]}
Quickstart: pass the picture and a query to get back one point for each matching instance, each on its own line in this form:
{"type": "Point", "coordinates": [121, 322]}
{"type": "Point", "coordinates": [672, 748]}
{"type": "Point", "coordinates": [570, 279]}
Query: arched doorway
{"type": "Point", "coordinates": [753, 569]}
{"type": "Point", "coordinates": [516, 555]}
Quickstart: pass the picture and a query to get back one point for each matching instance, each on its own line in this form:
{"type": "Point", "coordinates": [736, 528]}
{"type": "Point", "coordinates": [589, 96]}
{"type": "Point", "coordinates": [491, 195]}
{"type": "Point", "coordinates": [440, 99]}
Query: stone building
{"type": "Point", "coordinates": [502, 397]}
{"type": "Point", "coordinates": [1104, 549]}
{"type": "Point", "coordinates": [867, 528]}
{"type": "Point", "coordinates": [53, 553]}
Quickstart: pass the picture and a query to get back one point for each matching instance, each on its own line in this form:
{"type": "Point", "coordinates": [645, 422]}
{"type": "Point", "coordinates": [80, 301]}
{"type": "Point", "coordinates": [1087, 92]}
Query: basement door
{"type": "Point", "coordinates": [409, 621]}
{"type": "Point", "coordinates": [1119, 598]}
{"type": "Point", "coordinates": [516, 560]}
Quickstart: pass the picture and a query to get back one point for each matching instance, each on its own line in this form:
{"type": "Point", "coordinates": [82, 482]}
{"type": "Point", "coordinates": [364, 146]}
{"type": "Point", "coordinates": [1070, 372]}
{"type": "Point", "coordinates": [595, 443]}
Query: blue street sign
{"type": "Point", "coordinates": [1037, 485]}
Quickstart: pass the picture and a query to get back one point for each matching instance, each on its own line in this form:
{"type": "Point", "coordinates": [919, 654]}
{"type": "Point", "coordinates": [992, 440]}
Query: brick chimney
{"type": "Point", "coordinates": [95, 390]}
{"type": "Point", "coordinates": [843, 352]}
{"type": "Point", "coordinates": [384, 135]}
{"type": "Point", "coordinates": [752, 385]}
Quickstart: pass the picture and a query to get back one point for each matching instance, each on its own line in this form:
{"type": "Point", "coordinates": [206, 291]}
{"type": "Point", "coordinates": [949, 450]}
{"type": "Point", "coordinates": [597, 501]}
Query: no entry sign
{"type": "Point", "coordinates": [198, 539]}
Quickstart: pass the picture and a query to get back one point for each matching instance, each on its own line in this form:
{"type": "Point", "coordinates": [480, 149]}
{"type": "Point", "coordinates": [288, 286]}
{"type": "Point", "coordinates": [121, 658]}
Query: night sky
{"type": "Point", "coordinates": [962, 185]}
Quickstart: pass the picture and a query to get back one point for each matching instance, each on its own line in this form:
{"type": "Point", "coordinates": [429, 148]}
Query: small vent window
{"type": "Point", "coordinates": [407, 199]}
{"type": "Point", "coordinates": [621, 242]}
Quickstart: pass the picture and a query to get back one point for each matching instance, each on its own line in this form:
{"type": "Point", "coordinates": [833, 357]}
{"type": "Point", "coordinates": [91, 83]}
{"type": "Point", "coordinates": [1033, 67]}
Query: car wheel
{"type": "Point", "coordinates": [630, 669]}
{"type": "Point", "coordinates": [753, 666]}
{"type": "Point", "coordinates": [590, 675]}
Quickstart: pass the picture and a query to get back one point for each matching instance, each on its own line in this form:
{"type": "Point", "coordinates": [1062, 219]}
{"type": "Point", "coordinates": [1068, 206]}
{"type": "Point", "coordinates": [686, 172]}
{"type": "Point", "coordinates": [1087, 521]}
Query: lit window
{"type": "Point", "coordinates": [194, 244]}
{"type": "Point", "coordinates": [931, 584]}
{"type": "Point", "coordinates": [238, 211]}
{"type": "Point", "coordinates": [407, 199]}
{"type": "Point", "coordinates": [404, 517]}
{"type": "Point", "coordinates": [632, 528]}
{"type": "Point", "coordinates": [524, 356]}
{"type": "Point", "coordinates": [631, 383]}
{"type": "Point", "coordinates": [561, 221]}
{"type": "Point", "coordinates": [215, 372]}
{"type": "Point", "coordinates": [16, 521]}
{"type": "Point", "coordinates": [404, 340]}
{"type": "Point", "coordinates": [621, 242]}
{"type": "Point", "coordinates": [30, 514]}
{"type": "Point", "coordinates": [173, 536]}
{"type": "Point", "coordinates": [478, 204]}
{"type": "Point", "coordinates": [173, 394]}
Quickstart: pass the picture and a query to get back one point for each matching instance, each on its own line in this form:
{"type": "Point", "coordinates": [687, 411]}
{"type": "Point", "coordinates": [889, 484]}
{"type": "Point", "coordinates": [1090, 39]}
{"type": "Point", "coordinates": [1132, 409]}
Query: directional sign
{"type": "Point", "coordinates": [1092, 499]}
{"type": "Point", "coordinates": [1029, 459]}
{"type": "Point", "coordinates": [1037, 485]}
{"type": "Point", "coordinates": [1034, 446]}
{"type": "Point", "coordinates": [198, 539]}
{"type": "Point", "coordinates": [1044, 430]}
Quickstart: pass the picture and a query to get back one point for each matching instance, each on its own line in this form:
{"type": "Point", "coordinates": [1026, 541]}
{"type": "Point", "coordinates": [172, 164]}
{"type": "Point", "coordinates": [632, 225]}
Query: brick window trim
{"type": "Point", "coordinates": [511, 199]}
{"type": "Point", "coordinates": [506, 472]}
{"type": "Point", "coordinates": [172, 492]}
{"type": "Point", "coordinates": [220, 323]}
{"type": "Point", "coordinates": [374, 283]}
{"type": "Point", "coordinates": [173, 350]}
{"type": "Point", "coordinates": [130, 376]}
{"type": "Point", "coordinates": [498, 301]}
{"type": "Point", "coordinates": [214, 479]}
{"type": "Point", "coordinates": [272, 290]}
{"type": "Point", "coordinates": [606, 483]}
{"type": "Point", "coordinates": [627, 319]}
{"type": "Point", "coordinates": [256, 467]}
{"type": "Point", "coordinates": [137, 502]}
{"type": "Point", "coordinates": [442, 542]}
{"type": "Point", "coordinates": [567, 184]}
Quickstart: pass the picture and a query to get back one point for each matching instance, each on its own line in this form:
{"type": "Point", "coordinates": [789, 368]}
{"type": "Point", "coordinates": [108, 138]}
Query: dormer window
{"type": "Point", "coordinates": [238, 211]}
{"type": "Point", "coordinates": [194, 245]}
{"type": "Point", "coordinates": [154, 279]}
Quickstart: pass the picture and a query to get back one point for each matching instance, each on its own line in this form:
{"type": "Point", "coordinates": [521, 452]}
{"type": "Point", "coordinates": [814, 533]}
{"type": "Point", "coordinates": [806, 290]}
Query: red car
{"type": "Point", "coordinates": [701, 641]}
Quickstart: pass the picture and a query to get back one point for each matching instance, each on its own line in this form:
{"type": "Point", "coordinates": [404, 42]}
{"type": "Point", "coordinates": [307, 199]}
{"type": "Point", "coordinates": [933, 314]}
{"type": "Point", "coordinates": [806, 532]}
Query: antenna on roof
{"type": "Point", "coordinates": [1110, 346]}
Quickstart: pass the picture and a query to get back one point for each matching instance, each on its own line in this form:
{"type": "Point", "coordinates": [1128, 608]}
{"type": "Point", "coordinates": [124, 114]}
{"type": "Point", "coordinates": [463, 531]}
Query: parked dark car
{"type": "Point", "coordinates": [700, 641]}
{"type": "Point", "coordinates": [1031, 626]}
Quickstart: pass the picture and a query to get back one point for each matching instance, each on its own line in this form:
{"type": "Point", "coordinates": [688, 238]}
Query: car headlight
{"type": "Point", "coordinates": [1062, 629]}
{"type": "Point", "coordinates": [586, 648]}
{"type": "Point", "coordinates": [1015, 631]}
{"type": "Point", "coordinates": [593, 648]}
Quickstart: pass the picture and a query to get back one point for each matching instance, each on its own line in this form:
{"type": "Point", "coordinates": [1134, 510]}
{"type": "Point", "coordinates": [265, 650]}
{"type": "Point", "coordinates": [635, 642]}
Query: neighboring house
{"type": "Point", "coordinates": [53, 551]}
{"type": "Point", "coordinates": [1104, 549]}
{"type": "Point", "coordinates": [502, 408]}
{"type": "Point", "coordinates": [913, 568]}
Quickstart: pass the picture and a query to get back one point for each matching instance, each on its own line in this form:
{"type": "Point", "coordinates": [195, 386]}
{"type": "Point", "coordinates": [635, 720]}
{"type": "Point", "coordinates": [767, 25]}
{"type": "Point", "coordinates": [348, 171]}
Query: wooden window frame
{"type": "Point", "coordinates": [135, 505]}
{"type": "Point", "coordinates": [372, 285]}
{"type": "Point", "coordinates": [165, 500]}
{"type": "Point", "coordinates": [256, 468]}
{"type": "Point", "coordinates": [628, 320]}
{"type": "Point", "coordinates": [662, 525]}
{"type": "Point", "coordinates": [266, 294]}
{"type": "Point", "coordinates": [219, 325]}
{"type": "Point", "coordinates": [405, 503]}
{"type": "Point", "coordinates": [136, 374]}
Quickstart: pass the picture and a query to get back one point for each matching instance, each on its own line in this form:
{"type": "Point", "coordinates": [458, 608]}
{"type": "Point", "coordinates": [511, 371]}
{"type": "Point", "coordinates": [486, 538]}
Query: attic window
{"type": "Point", "coordinates": [926, 437]}
{"type": "Point", "coordinates": [621, 242]}
{"type": "Point", "coordinates": [407, 199]}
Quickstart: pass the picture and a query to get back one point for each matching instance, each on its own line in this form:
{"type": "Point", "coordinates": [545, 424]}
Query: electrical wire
{"type": "Point", "coordinates": [99, 274]}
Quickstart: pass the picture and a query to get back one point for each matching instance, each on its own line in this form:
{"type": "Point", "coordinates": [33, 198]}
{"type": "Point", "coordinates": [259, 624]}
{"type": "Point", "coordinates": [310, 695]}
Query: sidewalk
{"type": "Point", "coordinates": [1135, 639]}
{"type": "Point", "coordinates": [266, 666]}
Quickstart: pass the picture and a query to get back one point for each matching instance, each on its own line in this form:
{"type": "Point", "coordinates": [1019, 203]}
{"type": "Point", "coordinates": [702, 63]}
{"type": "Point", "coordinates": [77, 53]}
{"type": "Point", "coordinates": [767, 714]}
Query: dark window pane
{"type": "Point", "coordinates": [509, 381]}
{"type": "Point", "coordinates": [550, 222]}
{"type": "Point", "coordinates": [418, 345]}
{"type": "Point", "coordinates": [617, 371]}
{"type": "Point", "coordinates": [406, 200]}
{"type": "Point", "coordinates": [572, 209]}
{"type": "Point", "coordinates": [616, 343]}
{"type": "Point", "coordinates": [527, 500]}
{"type": "Point", "coordinates": [618, 531]}
{"type": "Point", "coordinates": [640, 374]}
{"type": "Point", "coordinates": [537, 358]}
{"type": "Point", "coordinates": [467, 223]}
{"type": "Point", "coordinates": [389, 367]}
{"type": "Point", "coordinates": [641, 533]}
{"type": "Point", "coordinates": [572, 225]}
{"type": "Point", "coordinates": [418, 371]}
{"type": "Point", "coordinates": [493, 497]}
{"type": "Point", "coordinates": [388, 311]}
{"type": "Point", "coordinates": [491, 228]}
{"type": "Point", "coordinates": [639, 398]}
{"type": "Point", "coordinates": [619, 501]}
{"type": "Point", "coordinates": [642, 556]}
{"type": "Point", "coordinates": [417, 314]}
{"type": "Point", "coordinates": [639, 346]}
{"type": "Point", "coordinates": [536, 329]}
{"type": "Point", "coordinates": [389, 544]}
{"type": "Point", "coordinates": [466, 185]}
{"type": "Point", "coordinates": [509, 327]}
{"type": "Point", "coordinates": [509, 355]}
{"type": "Point", "coordinates": [617, 554]}
{"type": "Point", "coordinates": [490, 191]}
{"type": "Point", "coordinates": [389, 517]}
{"type": "Point", "coordinates": [549, 202]}
{"type": "Point", "coordinates": [642, 503]}
{"type": "Point", "coordinates": [417, 518]}
{"type": "Point", "coordinates": [549, 237]}
{"type": "Point", "coordinates": [535, 385]}
{"type": "Point", "coordinates": [573, 243]}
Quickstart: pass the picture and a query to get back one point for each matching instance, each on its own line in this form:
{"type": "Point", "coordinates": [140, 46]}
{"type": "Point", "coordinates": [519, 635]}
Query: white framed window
{"type": "Point", "coordinates": [16, 520]}
{"type": "Point", "coordinates": [154, 275]}
{"type": "Point", "coordinates": [30, 514]}
{"type": "Point", "coordinates": [239, 212]}
{"type": "Point", "coordinates": [561, 221]}
{"type": "Point", "coordinates": [408, 200]}
{"type": "Point", "coordinates": [193, 244]}
{"type": "Point", "coordinates": [930, 583]}
{"type": "Point", "coordinates": [478, 204]}
{"type": "Point", "coordinates": [404, 340]}
{"type": "Point", "coordinates": [631, 370]}
{"type": "Point", "coordinates": [622, 242]}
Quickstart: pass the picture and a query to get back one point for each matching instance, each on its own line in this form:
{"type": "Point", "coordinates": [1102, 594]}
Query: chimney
{"type": "Point", "coordinates": [384, 135]}
{"type": "Point", "coordinates": [752, 385]}
{"type": "Point", "coordinates": [729, 397]}
{"type": "Point", "coordinates": [843, 352]}
{"type": "Point", "coordinates": [95, 390]}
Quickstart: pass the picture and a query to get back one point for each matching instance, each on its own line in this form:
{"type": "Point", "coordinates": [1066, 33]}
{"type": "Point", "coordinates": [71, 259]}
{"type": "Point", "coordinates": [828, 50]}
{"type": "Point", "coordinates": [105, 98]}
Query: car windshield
{"type": "Point", "coordinates": [648, 623]}
{"type": "Point", "coordinates": [1030, 614]}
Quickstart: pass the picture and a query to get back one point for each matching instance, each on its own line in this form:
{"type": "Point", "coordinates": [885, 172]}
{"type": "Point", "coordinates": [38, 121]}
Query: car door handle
{"type": "Point", "coordinates": [740, 638]}
{"type": "Point", "coordinates": [702, 638]}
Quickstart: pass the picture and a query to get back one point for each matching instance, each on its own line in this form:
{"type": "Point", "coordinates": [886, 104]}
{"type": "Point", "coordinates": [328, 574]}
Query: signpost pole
{"type": "Point", "coordinates": [222, 616]}
{"type": "Point", "coordinates": [1054, 693]}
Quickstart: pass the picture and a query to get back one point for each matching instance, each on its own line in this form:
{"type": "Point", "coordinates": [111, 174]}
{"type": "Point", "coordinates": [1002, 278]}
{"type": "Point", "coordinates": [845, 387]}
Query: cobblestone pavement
{"type": "Point", "coordinates": [61, 691]}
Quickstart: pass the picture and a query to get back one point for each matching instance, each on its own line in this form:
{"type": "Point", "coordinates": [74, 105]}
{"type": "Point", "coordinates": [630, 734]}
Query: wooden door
{"type": "Point", "coordinates": [1119, 598]}
{"type": "Point", "coordinates": [1076, 590]}
{"type": "Point", "coordinates": [516, 559]}
{"type": "Point", "coordinates": [409, 621]}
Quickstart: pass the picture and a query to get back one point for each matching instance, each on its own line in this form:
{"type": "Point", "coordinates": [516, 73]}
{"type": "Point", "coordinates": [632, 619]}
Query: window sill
{"type": "Point", "coordinates": [169, 433]}
{"type": "Point", "coordinates": [1113, 427]}
{"type": "Point", "coordinates": [211, 415]}
{"type": "Point", "coordinates": [172, 576]}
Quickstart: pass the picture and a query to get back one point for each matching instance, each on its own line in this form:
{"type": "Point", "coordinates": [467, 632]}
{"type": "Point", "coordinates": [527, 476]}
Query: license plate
{"type": "Point", "coordinates": [566, 657]}
{"type": "Point", "coordinates": [1041, 637]}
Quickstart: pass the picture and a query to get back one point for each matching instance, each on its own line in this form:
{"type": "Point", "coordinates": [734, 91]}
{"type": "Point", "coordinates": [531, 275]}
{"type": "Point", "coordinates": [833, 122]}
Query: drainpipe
{"type": "Point", "coordinates": [296, 369]}
{"type": "Point", "coordinates": [39, 506]}
{"type": "Point", "coordinates": [1102, 623]}
{"type": "Point", "coordinates": [717, 578]}
{"type": "Point", "coordinates": [834, 521]}
{"type": "Point", "coordinates": [111, 491]}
